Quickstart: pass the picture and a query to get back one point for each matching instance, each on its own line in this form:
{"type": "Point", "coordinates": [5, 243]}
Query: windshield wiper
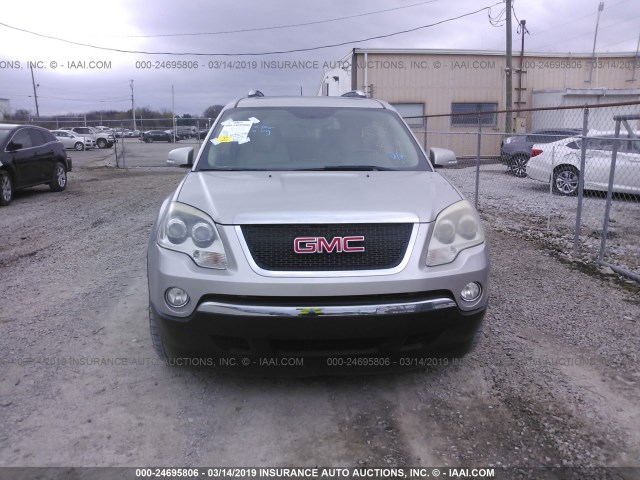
{"type": "Point", "coordinates": [364, 168]}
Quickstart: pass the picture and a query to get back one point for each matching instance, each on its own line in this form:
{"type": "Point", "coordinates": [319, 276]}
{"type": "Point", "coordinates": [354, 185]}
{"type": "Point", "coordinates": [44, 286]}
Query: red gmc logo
{"type": "Point", "coordinates": [321, 244]}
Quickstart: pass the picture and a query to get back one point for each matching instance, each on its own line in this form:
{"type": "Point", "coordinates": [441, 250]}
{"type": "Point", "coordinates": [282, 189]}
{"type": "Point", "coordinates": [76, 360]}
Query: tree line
{"type": "Point", "coordinates": [148, 118]}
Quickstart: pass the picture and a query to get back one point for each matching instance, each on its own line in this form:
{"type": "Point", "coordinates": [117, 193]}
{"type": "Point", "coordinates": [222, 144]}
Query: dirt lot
{"type": "Point", "coordinates": [555, 381]}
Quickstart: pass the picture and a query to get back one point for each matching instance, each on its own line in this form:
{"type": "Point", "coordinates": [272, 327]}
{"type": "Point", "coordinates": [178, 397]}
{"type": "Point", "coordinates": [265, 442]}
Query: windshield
{"type": "Point", "coordinates": [311, 138]}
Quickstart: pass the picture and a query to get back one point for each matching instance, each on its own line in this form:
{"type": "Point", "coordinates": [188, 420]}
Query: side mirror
{"type": "Point", "coordinates": [441, 157]}
{"type": "Point", "coordinates": [181, 157]}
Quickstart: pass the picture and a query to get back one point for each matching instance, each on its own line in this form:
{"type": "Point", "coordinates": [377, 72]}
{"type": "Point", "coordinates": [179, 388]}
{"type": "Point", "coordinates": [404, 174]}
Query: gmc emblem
{"type": "Point", "coordinates": [321, 244]}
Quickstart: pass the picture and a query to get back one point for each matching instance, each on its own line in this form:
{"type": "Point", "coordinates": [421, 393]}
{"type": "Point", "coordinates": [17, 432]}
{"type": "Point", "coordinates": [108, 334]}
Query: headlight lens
{"type": "Point", "coordinates": [457, 228]}
{"type": "Point", "coordinates": [188, 230]}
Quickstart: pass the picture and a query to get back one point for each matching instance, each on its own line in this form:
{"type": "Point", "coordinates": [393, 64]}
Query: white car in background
{"type": "Point", "coordinates": [72, 140]}
{"type": "Point", "coordinates": [559, 163]}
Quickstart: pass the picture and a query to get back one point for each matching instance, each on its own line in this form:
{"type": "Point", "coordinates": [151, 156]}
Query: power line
{"type": "Point", "coordinates": [277, 27]}
{"type": "Point", "coordinates": [253, 53]}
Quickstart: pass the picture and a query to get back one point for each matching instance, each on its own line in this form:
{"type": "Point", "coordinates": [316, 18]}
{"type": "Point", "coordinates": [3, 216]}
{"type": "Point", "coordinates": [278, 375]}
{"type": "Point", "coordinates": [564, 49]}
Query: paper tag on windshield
{"type": "Point", "coordinates": [235, 131]}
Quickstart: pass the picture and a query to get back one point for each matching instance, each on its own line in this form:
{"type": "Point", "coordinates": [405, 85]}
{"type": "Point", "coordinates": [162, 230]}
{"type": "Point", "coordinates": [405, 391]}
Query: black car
{"type": "Point", "coordinates": [158, 136]}
{"type": "Point", "coordinates": [30, 156]}
{"type": "Point", "coordinates": [516, 150]}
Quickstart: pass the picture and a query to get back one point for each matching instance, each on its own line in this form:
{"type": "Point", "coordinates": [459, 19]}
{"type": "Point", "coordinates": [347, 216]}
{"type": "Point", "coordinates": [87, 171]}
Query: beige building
{"type": "Point", "coordinates": [450, 82]}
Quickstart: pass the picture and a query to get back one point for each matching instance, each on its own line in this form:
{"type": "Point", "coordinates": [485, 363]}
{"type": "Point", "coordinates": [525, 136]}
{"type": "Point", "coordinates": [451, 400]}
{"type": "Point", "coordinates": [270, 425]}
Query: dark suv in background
{"type": "Point", "coordinates": [515, 151]}
{"type": "Point", "coordinates": [30, 156]}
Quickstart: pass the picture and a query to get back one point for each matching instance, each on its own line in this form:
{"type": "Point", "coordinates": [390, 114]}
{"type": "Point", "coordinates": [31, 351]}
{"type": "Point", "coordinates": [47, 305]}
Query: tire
{"type": "Point", "coordinates": [149, 140]}
{"type": "Point", "coordinates": [59, 182]}
{"type": "Point", "coordinates": [79, 146]}
{"type": "Point", "coordinates": [102, 143]}
{"type": "Point", "coordinates": [565, 180]}
{"type": "Point", "coordinates": [156, 337]}
{"type": "Point", "coordinates": [6, 189]}
{"type": "Point", "coordinates": [518, 165]}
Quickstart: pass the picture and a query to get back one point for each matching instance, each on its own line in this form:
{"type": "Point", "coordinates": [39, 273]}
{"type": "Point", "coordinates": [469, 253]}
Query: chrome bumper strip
{"type": "Point", "coordinates": [331, 310]}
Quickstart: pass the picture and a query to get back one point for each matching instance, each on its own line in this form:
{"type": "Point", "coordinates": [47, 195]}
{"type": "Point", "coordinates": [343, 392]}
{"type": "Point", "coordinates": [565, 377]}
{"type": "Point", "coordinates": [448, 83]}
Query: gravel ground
{"type": "Point", "coordinates": [555, 381]}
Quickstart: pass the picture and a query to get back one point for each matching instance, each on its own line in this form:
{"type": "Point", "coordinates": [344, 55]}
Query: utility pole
{"type": "Point", "coordinates": [633, 75]}
{"type": "Point", "coordinates": [521, 71]}
{"type": "Point", "coordinates": [133, 107]}
{"type": "Point", "coordinates": [595, 36]}
{"type": "Point", "coordinates": [173, 111]}
{"type": "Point", "coordinates": [508, 128]}
{"type": "Point", "coordinates": [35, 94]}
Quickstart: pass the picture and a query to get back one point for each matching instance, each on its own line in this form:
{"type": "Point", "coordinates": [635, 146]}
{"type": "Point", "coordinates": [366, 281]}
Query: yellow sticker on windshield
{"type": "Point", "coordinates": [224, 139]}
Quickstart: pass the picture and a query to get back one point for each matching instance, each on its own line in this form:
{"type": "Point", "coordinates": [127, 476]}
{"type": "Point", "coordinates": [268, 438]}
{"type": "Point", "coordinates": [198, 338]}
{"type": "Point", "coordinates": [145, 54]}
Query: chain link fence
{"type": "Point", "coordinates": [571, 179]}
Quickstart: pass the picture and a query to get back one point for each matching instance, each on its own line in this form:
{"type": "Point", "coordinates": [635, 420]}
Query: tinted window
{"type": "Point", "coordinates": [411, 110]}
{"type": "Point", "coordinates": [37, 137]}
{"type": "Point", "coordinates": [22, 139]}
{"type": "Point", "coordinates": [473, 109]}
{"type": "Point", "coordinates": [48, 136]}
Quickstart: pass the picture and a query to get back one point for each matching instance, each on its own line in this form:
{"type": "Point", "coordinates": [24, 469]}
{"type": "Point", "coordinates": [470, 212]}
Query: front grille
{"type": "Point", "coordinates": [272, 246]}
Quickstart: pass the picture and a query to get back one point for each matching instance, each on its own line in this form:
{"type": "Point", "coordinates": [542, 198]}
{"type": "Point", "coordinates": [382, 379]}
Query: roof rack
{"type": "Point", "coordinates": [255, 93]}
{"type": "Point", "coordinates": [355, 93]}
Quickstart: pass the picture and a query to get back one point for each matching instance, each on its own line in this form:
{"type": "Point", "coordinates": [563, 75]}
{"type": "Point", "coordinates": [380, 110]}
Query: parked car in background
{"type": "Point", "coordinates": [516, 150]}
{"type": "Point", "coordinates": [30, 156]}
{"type": "Point", "coordinates": [72, 140]}
{"type": "Point", "coordinates": [315, 226]}
{"type": "Point", "coordinates": [559, 163]}
{"type": "Point", "coordinates": [158, 136]}
{"type": "Point", "coordinates": [102, 139]}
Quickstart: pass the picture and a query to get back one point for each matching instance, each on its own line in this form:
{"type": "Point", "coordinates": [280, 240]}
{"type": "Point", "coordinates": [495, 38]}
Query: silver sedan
{"type": "Point", "coordinates": [559, 163]}
{"type": "Point", "coordinates": [73, 140]}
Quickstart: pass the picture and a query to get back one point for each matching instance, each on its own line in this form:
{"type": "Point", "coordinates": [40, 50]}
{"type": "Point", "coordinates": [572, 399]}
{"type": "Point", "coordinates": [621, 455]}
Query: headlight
{"type": "Point", "coordinates": [188, 230]}
{"type": "Point", "coordinates": [457, 227]}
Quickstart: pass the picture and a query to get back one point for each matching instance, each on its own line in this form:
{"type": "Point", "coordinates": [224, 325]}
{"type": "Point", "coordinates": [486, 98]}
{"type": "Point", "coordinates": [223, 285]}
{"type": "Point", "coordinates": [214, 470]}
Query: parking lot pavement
{"type": "Point", "coordinates": [132, 153]}
{"type": "Point", "coordinates": [554, 382]}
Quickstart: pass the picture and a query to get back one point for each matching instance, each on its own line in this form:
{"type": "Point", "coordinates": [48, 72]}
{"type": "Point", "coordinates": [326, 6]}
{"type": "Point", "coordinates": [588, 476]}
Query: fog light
{"type": "Point", "coordinates": [176, 297]}
{"type": "Point", "coordinates": [471, 292]}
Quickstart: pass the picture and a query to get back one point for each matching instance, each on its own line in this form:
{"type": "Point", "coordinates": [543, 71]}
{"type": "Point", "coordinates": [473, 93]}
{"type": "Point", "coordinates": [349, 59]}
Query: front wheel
{"type": "Point", "coordinates": [149, 140]}
{"type": "Point", "coordinates": [6, 189]}
{"type": "Point", "coordinates": [565, 180]}
{"type": "Point", "coordinates": [59, 181]}
{"type": "Point", "coordinates": [519, 165]}
{"type": "Point", "coordinates": [102, 143]}
{"type": "Point", "coordinates": [79, 146]}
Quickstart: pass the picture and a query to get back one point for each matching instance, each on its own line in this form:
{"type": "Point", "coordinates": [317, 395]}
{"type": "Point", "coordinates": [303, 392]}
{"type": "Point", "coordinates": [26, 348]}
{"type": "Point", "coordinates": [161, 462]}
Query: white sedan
{"type": "Point", "coordinates": [559, 163]}
{"type": "Point", "coordinates": [72, 140]}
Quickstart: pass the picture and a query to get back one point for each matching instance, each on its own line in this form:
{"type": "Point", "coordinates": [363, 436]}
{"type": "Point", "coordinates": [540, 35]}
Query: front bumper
{"type": "Point", "coordinates": [428, 324]}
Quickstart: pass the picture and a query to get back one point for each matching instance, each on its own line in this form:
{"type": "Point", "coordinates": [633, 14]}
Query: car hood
{"type": "Point", "coordinates": [238, 198]}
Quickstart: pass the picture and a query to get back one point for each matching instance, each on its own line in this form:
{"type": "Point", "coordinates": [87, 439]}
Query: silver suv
{"type": "Point", "coordinates": [315, 227]}
{"type": "Point", "coordinates": [102, 139]}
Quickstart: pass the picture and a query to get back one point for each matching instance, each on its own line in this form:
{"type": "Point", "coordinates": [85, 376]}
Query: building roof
{"type": "Point", "coordinates": [516, 53]}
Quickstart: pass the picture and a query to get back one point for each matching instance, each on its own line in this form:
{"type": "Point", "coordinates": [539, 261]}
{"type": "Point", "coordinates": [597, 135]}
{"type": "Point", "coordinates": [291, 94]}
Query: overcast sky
{"type": "Point", "coordinates": [172, 27]}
